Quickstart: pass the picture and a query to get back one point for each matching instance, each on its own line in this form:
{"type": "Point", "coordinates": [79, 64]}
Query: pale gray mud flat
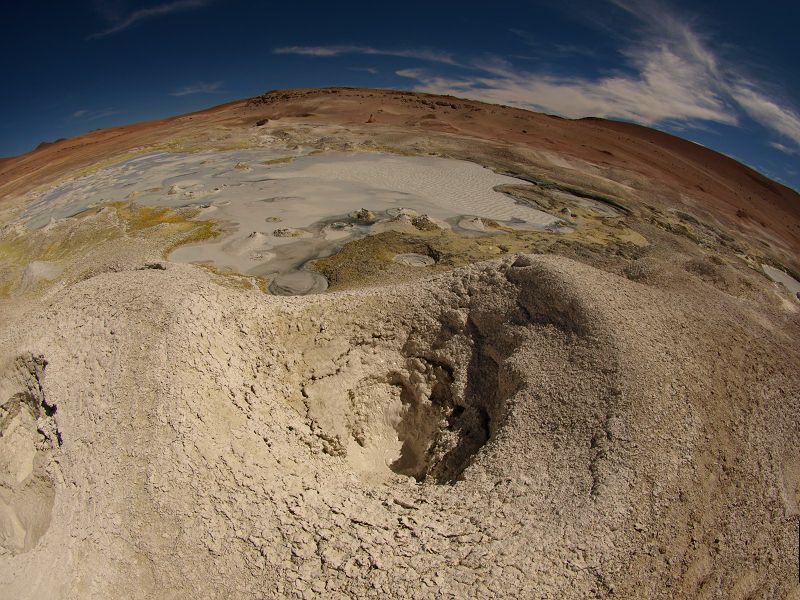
{"type": "Point", "coordinates": [778, 276]}
{"type": "Point", "coordinates": [278, 217]}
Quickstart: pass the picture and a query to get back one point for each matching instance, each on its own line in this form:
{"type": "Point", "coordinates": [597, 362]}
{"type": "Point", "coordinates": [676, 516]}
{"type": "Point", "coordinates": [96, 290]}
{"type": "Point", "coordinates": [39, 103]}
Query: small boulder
{"type": "Point", "coordinates": [289, 232]}
{"type": "Point", "coordinates": [363, 216]}
{"type": "Point", "coordinates": [424, 223]}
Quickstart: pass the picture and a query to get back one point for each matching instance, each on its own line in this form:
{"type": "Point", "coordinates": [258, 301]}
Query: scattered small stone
{"type": "Point", "coordinates": [404, 504]}
{"type": "Point", "coordinates": [402, 212]}
{"type": "Point", "coordinates": [288, 232]}
{"type": "Point", "coordinates": [424, 223]}
{"type": "Point", "coordinates": [340, 225]}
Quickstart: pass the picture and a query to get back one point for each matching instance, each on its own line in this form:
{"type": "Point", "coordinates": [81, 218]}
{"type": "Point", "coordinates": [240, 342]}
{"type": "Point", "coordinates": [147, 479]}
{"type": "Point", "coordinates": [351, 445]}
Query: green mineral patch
{"type": "Point", "coordinates": [205, 143]}
{"type": "Point", "coordinates": [52, 244]}
{"type": "Point", "coordinates": [704, 234]}
{"type": "Point", "coordinates": [225, 145]}
{"type": "Point", "coordinates": [175, 225]}
{"type": "Point", "coordinates": [64, 247]}
{"type": "Point", "coordinates": [369, 260]}
{"type": "Point", "coordinates": [279, 161]}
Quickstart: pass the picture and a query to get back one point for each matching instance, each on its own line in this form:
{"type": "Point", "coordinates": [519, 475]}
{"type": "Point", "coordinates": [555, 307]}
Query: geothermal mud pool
{"type": "Point", "coordinates": [281, 212]}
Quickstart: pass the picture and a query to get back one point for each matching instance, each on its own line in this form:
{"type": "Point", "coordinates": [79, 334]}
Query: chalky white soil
{"type": "Point", "coordinates": [525, 428]}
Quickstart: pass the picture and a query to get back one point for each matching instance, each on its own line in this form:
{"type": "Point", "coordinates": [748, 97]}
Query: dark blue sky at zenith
{"type": "Point", "coordinates": [723, 74]}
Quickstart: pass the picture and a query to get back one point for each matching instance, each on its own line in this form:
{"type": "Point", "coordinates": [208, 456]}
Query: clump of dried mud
{"type": "Point", "coordinates": [608, 412]}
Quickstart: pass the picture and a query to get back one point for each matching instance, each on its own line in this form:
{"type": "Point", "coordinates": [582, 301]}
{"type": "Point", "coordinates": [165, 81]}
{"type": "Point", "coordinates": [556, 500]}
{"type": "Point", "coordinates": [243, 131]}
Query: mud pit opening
{"type": "Point", "coordinates": [421, 407]}
{"type": "Point", "coordinates": [28, 437]}
{"type": "Point", "coordinates": [441, 433]}
{"type": "Point", "coordinates": [425, 392]}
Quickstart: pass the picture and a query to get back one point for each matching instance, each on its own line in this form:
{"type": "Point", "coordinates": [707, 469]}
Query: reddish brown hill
{"type": "Point", "coordinates": [703, 178]}
{"type": "Point", "coordinates": [710, 176]}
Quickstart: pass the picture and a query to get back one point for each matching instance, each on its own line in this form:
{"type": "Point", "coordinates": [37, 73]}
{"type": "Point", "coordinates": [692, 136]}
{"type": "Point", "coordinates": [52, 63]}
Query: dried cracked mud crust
{"type": "Point", "coordinates": [417, 441]}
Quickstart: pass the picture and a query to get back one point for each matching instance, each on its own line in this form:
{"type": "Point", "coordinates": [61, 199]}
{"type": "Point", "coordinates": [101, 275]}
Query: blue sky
{"type": "Point", "coordinates": [721, 74]}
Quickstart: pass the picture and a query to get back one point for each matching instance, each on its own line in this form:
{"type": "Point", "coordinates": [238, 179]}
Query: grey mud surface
{"type": "Point", "coordinates": [278, 216]}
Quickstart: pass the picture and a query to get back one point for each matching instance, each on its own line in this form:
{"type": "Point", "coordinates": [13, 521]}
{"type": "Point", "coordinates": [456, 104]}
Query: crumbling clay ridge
{"type": "Point", "coordinates": [530, 427]}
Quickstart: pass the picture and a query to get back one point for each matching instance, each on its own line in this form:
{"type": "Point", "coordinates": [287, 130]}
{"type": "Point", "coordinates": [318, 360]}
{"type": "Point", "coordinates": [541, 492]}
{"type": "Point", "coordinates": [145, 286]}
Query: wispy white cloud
{"type": "Point", "coordinates": [92, 115]}
{"type": "Point", "coordinates": [338, 50]}
{"type": "Point", "coordinates": [145, 14]}
{"type": "Point", "coordinates": [670, 75]}
{"type": "Point", "coordinates": [370, 70]}
{"type": "Point", "coordinates": [198, 88]}
{"type": "Point", "coordinates": [666, 88]}
{"type": "Point", "coordinates": [781, 119]}
{"type": "Point", "coordinates": [549, 49]}
{"type": "Point", "coordinates": [786, 150]}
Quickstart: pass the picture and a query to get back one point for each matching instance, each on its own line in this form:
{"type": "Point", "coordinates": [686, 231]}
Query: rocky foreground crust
{"type": "Point", "coordinates": [575, 433]}
{"type": "Point", "coordinates": [611, 414]}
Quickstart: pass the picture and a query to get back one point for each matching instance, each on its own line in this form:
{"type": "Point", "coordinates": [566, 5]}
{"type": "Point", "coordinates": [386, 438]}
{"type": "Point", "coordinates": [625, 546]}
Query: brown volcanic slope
{"type": "Point", "coordinates": [711, 178]}
{"type": "Point", "coordinates": [697, 177]}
